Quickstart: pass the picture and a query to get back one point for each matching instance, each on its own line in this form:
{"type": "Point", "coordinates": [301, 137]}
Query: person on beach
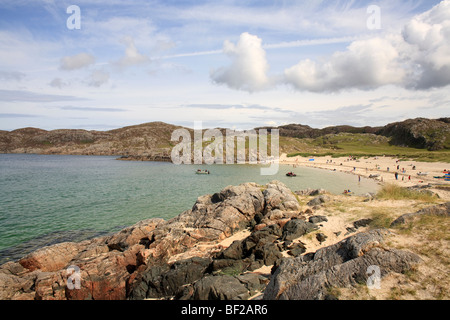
{"type": "Point", "coordinates": [396, 176]}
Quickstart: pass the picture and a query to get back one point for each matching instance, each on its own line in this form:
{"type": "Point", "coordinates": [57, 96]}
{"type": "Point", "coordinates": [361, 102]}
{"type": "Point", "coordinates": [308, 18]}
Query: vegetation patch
{"type": "Point", "coordinates": [395, 192]}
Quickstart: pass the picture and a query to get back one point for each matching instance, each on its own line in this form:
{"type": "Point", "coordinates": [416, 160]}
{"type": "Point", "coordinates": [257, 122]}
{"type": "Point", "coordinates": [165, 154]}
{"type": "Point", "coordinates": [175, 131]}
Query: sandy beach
{"type": "Point", "coordinates": [382, 169]}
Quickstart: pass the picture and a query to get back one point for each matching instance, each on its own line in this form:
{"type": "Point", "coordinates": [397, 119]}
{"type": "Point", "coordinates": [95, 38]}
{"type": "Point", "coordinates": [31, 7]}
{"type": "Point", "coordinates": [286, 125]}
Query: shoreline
{"type": "Point", "coordinates": [202, 249]}
{"type": "Point", "coordinates": [381, 169]}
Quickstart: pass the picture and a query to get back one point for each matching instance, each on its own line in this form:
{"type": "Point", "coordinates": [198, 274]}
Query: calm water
{"type": "Point", "coordinates": [48, 199]}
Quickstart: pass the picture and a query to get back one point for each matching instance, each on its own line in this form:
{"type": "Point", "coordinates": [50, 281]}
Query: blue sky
{"type": "Point", "coordinates": [237, 64]}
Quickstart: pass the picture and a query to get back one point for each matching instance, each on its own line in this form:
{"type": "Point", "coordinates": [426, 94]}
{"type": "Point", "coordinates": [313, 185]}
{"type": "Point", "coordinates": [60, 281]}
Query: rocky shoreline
{"type": "Point", "coordinates": [244, 242]}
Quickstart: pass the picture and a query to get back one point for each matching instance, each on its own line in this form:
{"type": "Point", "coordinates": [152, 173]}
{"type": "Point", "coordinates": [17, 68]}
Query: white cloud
{"type": "Point", "coordinates": [132, 55]}
{"type": "Point", "coordinates": [427, 41]}
{"type": "Point", "coordinates": [98, 78]}
{"type": "Point", "coordinates": [366, 64]}
{"type": "Point", "coordinates": [11, 75]}
{"type": "Point", "coordinates": [249, 67]}
{"type": "Point", "coordinates": [77, 61]}
{"type": "Point", "coordinates": [416, 58]}
{"type": "Point", "coordinates": [419, 58]}
{"type": "Point", "coordinates": [58, 83]}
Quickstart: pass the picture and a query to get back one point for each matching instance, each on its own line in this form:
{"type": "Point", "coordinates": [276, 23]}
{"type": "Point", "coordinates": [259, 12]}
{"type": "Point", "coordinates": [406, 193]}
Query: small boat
{"type": "Point", "coordinates": [422, 174]}
{"type": "Point", "coordinates": [202, 171]}
{"type": "Point", "coordinates": [347, 192]}
{"type": "Point", "coordinates": [291, 174]}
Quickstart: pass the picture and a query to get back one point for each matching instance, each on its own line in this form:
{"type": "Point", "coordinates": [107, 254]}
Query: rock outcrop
{"type": "Point", "coordinates": [111, 266]}
{"type": "Point", "coordinates": [344, 264]}
{"type": "Point", "coordinates": [439, 210]}
{"type": "Point", "coordinates": [145, 142]}
{"type": "Point", "coordinates": [431, 134]}
{"type": "Point", "coordinates": [419, 133]}
{"type": "Point", "coordinates": [184, 257]}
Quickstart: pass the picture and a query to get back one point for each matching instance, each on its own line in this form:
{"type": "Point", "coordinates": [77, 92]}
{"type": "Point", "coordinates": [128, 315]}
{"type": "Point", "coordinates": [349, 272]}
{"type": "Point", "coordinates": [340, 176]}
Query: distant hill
{"type": "Point", "coordinates": [303, 131]}
{"type": "Point", "coordinates": [415, 133]}
{"type": "Point", "coordinates": [148, 141]}
{"type": "Point", "coordinates": [419, 133]}
{"type": "Point", "coordinates": [152, 141]}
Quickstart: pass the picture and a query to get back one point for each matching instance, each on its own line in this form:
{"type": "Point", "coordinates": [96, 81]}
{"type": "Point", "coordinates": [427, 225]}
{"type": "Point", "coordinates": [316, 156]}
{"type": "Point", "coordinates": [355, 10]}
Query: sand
{"type": "Point", "coordinates": [382, 169]}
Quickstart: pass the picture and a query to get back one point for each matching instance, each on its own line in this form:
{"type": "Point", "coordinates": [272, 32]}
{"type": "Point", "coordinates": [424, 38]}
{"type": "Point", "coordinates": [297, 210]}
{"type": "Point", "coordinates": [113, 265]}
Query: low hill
{"type": "Point", "coordinates": [414, 138]}
{"type": "Point", "coordinates": [421, 133]}
{"type": "Point", "coordinates": [149, 141]}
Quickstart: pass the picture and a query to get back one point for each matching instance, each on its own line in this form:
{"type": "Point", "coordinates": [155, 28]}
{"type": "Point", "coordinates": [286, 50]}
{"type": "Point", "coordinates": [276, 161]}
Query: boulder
{"type": "Point", "coordinates": [350, 273]}
{"type": "Point", "coordinates": [132, 235]}
{"type": "Point", "coordinates": [296, 228]}
{"type": "Point", "coordinates": [297, 249]}
{"type": "Point", "coordinates": [318, 219]}
{"type": "Point", "coordinates": [278, 196]}
{"type": "Point", "coordinates": [310, 192]}
{"type": "Point", "coordinates": [52, 258]}
{"type": "Point", "coordinates": [362, 223]}
{"type": "Point", "coordinates": [183, 272]}
{"type": "Point", "coordinates": [231, 266]}
{"type": "Point", "coordinates": [218, 288]}
{"type": "Point", "coordinates": [439, 210]}
{"type": "Point", "coordinates": [253, 282]}
{"type": "Point", "coordinates": [342, 264]}
{"type": "Point", "coordinates": [104, 277]}
{"type": "Point", "coordinates": [13, 286]}
{"type": "Point", "coordinates": [317, 201]}
{"type": "Point", "coordinates": [234, 251]}
{"type": "Point", "coordinates": [269, 253]}
{"type": "Point", "coordinates": [148, 283]}
{"type": "Point", "coordinates": [50, 286]}
{"type": "Point", "coordinates": [321, 237]}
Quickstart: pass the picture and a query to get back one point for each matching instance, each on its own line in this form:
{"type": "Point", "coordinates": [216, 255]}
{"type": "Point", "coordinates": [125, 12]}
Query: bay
{"type": "Point", "coordinates": [45, 199]}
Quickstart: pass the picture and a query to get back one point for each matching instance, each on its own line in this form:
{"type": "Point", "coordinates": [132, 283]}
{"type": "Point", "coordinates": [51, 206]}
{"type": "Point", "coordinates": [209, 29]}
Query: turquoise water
{"type": "Point", "coordinates": [46, 199]}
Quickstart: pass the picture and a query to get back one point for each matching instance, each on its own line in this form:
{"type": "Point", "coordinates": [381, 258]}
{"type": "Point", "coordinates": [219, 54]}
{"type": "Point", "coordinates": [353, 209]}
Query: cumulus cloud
{"type": "Point", "coordinates": [249, 67]}
{"type": "Point", "coordinates": [77, 61]}
{"type": "Point", "coordinates": [427, 39]}
{"type": "Point", "coordinates": [367, 64]}
{"type": "Point", "coordinates": [132, 55]}
{"type": "Point", "coordinates": [98, 78]}
{"type": "Point", "coordinates": [416, 58]}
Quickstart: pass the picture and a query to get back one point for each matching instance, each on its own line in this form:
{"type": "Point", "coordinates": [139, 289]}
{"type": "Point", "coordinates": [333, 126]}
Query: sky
{"type": "Point", "coordinates": [100, 65]}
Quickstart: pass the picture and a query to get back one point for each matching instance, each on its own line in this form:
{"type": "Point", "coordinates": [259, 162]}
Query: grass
{"type": "Point", "coordinates": [426, 235]}
{"type": "Point", "coordinates": [357, 145]}
{"type": "Point", "coordinates": [394, 192]}
{"type": "Point", "coordinates": [432, 243]}
{"type": "Point", "coordinates": [381, 218]}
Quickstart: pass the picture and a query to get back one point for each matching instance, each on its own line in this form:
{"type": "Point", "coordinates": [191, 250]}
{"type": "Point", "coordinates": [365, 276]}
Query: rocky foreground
{"type": "Point", "coordinates": [193, 257]}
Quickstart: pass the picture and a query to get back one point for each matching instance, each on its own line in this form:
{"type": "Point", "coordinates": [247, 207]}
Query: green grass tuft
{"type": "Point", "coordinates": [395, 192]}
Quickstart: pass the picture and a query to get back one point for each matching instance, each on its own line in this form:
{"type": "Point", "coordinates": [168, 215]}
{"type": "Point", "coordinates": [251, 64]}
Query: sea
{"type": "Point", "coordinates": [47, 199]}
